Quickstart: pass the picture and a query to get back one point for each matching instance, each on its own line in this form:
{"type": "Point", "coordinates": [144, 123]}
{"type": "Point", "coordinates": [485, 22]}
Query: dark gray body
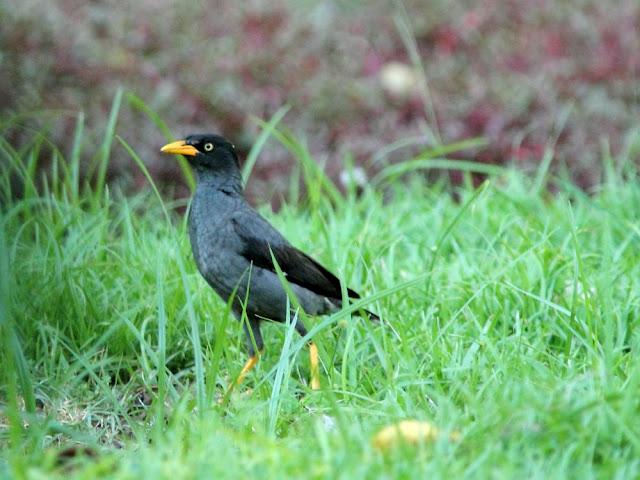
{"type": "Point", "coordinates": [214, 220]}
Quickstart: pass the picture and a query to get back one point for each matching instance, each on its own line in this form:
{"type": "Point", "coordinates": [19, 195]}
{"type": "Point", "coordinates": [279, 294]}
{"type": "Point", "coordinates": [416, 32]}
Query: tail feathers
{"type": "Point", "coordinates": [354, 296]}
{"type": "Point", "coordinates": [332, 305]}
{"type": "Point", "coordinates": [372, 316]}
{"type": "Point", "coordinates": [362, 312]}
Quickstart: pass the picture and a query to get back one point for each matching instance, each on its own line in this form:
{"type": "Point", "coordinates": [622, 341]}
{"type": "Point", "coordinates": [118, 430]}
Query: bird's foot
{"type": "Point", "coordinates": [251, 362]}
{"type": "Point", "coordinates": [315, 372]}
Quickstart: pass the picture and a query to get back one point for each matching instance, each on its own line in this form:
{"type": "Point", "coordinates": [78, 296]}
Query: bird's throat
{"type": "Point", "coordinates": [227, 180]}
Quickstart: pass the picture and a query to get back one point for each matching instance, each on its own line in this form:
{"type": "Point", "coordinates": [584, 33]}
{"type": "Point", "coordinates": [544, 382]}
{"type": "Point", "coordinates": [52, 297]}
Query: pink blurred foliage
{"type": "Point", "coordinates": [500, 69]}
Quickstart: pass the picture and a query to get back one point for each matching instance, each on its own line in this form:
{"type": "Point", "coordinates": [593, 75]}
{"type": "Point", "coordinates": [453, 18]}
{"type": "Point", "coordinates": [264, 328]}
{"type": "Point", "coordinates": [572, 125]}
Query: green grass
{"type": "Point", "coordinates": [510, 315]}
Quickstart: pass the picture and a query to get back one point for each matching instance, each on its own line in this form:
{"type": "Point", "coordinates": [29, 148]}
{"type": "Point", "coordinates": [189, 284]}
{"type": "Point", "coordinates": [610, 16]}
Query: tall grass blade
{"type": "Point", "coordinates": [403, 24]}
{"type": "Point", "coordinates": [316, 180]}
{"type": "Point", "coordinates": [13, 351]}
{"type": "Point", "coordinates": [258, 145]}
{"type": "Point", "coordinates": [105, 149]}
{"type": "Point", "coordinates": [139, 104]}
{"type": "Point", "coordinates": [74, 159]}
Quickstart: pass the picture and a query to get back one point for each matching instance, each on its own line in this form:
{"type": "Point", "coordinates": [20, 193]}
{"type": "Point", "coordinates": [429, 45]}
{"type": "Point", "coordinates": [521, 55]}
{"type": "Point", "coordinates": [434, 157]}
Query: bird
{"type": "Point", "coordinates": [234, 248]}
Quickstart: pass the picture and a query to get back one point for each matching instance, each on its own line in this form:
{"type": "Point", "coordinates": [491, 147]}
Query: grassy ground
{"type": "Point", "coordinates": [510, 316]}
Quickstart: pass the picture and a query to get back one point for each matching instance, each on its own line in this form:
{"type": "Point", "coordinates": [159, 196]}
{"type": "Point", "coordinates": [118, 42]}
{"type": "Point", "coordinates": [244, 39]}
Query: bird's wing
{"type": "Point", "coordinates": [259, 239]}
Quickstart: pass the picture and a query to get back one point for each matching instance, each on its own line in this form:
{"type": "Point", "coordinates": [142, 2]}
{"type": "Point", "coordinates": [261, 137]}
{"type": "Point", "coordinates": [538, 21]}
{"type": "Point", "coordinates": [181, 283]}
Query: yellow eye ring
{"type": "Point", "coordinates": [208, 147]}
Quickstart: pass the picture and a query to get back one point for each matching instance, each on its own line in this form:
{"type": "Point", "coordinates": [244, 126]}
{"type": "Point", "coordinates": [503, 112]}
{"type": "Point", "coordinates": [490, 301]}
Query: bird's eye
{"type": "Point", "coordinates": [208, 147]}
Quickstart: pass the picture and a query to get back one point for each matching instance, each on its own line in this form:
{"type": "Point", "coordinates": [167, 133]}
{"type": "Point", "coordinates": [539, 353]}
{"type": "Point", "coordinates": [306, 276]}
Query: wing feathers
{"type": "Point", "coordinates": [299, 267]}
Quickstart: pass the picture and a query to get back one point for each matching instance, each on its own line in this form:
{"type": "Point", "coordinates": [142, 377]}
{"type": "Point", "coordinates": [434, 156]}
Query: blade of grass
{"type": "Point", "coordinates": [162, 350]}
{"type": "Point", "coordinates": [12, 346]}
{"type": "Point", "coordinates": [105, 150]}
{"type": "Point", "coordinates": [316, 180]}
{"type": "Point", "coordinates": [542, 172]}
{"type": "Point", "coordinates": [74, 159]}
{"type": "Point", "coordinates": [403, 24]}
{"type": "Point", "coordinates": [392, 173]}
{"type": "Point", "coordinates": [461, 212]}
{"type": "Point", "coordinates": [433, 152]}
{"type": "Point", "coordinates": [139, 104]}
{"type": "Point", "coordinates": [266, 132]}
{"type": "Point", "coordinates": [283, 372]}
{"type": "Point", "coordinates": [10, 354]}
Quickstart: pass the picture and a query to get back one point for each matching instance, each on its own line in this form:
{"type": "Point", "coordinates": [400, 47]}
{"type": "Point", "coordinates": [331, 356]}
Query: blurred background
{"type": "Point", "coordinates": [359, 77]}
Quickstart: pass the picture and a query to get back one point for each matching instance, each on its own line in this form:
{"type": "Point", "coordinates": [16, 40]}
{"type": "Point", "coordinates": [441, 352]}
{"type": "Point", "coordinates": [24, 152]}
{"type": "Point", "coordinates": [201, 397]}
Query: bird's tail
{"type": "Point", "coordinates": [336, 305]}
{"type": "Point", "coordinates": [372, 316]}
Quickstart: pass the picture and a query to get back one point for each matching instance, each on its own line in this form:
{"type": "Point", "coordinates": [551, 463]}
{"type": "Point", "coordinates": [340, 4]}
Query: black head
{"type": "Point", "coordinates": [204, 150]}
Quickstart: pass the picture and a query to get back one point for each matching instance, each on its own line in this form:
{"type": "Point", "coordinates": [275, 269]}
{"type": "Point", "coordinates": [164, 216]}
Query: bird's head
{"type": "Point", "coordinates": [205, 151]}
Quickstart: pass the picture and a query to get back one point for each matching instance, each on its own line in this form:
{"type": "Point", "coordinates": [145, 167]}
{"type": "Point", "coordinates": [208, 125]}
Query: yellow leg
{"type": "Point", "coordinates": [313, 360]}
{"type": "Point", "coordinates": [251, 362]}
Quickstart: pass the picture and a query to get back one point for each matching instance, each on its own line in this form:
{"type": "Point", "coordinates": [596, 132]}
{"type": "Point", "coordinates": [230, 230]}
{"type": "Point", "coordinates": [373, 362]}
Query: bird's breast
{"type": "Point", "coordinates": [211, 235]}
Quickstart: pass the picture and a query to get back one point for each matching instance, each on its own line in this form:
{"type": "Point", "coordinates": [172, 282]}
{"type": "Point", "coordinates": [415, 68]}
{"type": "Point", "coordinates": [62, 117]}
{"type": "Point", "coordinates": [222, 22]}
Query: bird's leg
{"type": "Point", "coordinates": [249, 364]}
{"type": "Point", "coordinates": [255, 346]}
{"type": "Point", "coordinates": [313, 357]}
{"type": "Point", "coordinates": [315, 372]}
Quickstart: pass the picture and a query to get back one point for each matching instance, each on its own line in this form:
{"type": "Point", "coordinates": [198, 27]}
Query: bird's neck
{"type": "Point", "coordinates": [228, 180]}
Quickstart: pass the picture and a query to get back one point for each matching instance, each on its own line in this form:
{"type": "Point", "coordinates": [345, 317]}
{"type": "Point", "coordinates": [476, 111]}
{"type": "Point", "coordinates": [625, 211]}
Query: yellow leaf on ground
{"type": "Point", "coordinates": [408, 431]}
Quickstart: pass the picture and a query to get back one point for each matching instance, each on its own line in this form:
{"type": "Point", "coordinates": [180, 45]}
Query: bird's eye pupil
{"type": "Point", "coordinates": [208, 147]}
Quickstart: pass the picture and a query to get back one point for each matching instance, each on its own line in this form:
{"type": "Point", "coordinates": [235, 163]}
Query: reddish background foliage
{"type": "Point", "coordinates": [507, 70]}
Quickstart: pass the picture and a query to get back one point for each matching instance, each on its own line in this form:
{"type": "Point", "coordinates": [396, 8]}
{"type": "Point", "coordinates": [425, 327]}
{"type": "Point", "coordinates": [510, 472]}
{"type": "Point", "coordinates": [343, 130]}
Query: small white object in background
{"type": "Point", "coordinates": [354, 176]}
{"type": "Point", "coordinates": [398, 79]}
{"type": "Point", "coordinates": [329, 423]}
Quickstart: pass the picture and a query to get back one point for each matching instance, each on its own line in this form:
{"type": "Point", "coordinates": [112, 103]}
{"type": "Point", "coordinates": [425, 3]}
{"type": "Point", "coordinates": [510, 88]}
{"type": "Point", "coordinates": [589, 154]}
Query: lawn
{"type": "Point", "coordinates": [509, 317]}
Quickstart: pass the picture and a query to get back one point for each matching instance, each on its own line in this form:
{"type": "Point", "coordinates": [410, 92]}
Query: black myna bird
{"type": "Point", "coordinates": [234, 247]}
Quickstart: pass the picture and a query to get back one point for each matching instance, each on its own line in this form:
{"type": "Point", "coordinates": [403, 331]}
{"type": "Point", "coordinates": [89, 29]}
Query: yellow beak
{"type": "Point", "coordinates": [180, 148]}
